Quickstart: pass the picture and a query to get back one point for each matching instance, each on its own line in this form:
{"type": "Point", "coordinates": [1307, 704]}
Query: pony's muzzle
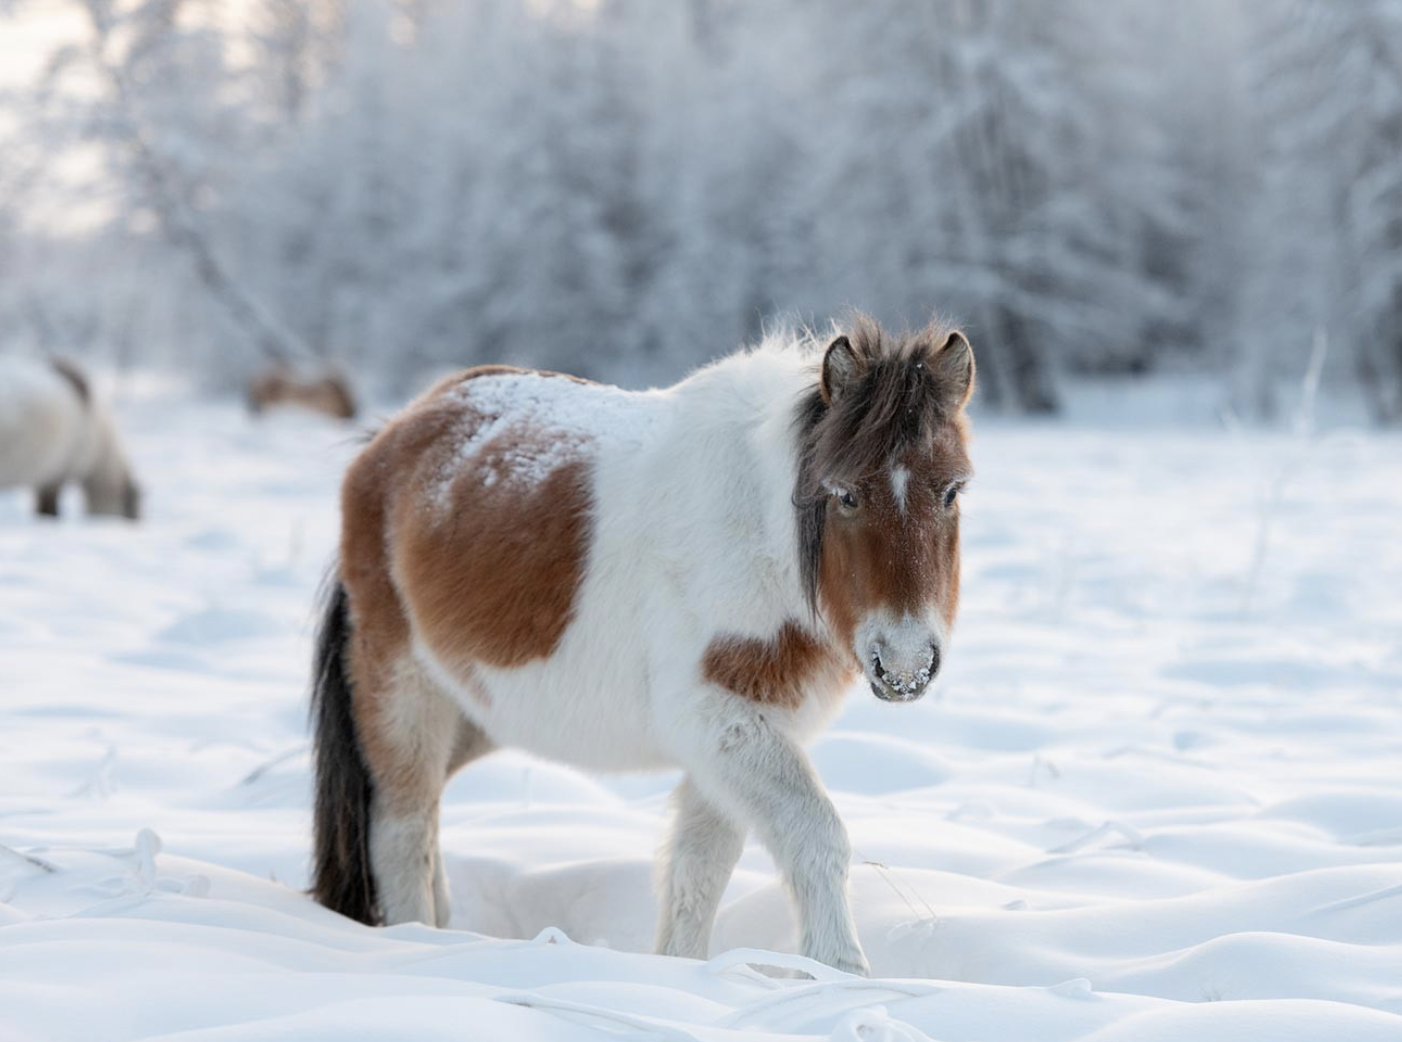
{"type": "Point", "coordinates": [897, 677]}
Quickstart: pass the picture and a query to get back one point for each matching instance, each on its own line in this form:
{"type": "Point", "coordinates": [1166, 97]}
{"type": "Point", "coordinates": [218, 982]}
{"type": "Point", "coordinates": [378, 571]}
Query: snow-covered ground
{"type": "Point", "coordinates": [1158, 794]}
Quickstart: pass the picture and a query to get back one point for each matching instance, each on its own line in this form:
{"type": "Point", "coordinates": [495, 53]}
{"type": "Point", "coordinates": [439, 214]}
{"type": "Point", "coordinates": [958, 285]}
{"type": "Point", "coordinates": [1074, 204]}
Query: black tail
{"type": "Point", "coordinates": [341, 877]}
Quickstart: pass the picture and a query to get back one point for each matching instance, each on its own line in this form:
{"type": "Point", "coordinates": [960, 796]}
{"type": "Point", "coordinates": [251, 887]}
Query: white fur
{"type": "Point", "coordinates": [403, 851]}
{"type": "Point", "coordinates": [693, 871]}
{"type": "Point", "coordinates": [694, 536]}
{"type": "Point", "coordinates": [422, 728]}
{"type": "Point", "coordinates": [900, 478]}
{"type": "Point", "coordinates": [49, 436]}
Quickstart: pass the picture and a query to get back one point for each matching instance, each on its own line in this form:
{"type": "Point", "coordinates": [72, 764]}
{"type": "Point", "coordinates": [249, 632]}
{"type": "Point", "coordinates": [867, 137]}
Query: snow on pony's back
{"type": "Point", "coordinates": [520, 426]}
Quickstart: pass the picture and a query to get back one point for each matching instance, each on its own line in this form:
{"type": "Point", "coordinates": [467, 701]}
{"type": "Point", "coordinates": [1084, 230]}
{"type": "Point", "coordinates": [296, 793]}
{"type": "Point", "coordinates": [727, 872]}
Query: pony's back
{"type": "Point", "coordinates": [42, 423]}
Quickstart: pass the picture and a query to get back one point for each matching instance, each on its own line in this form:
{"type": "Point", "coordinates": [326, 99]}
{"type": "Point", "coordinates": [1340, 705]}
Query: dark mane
{"type": "Point", "coordinates": [898, 398]}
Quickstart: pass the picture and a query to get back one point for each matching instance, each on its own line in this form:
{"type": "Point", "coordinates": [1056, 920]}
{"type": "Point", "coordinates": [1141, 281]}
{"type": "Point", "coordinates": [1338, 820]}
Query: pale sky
{"type": "Point", "coordinates": [29, 33]}
{"type": "Point", "coordinates": [28, 36]}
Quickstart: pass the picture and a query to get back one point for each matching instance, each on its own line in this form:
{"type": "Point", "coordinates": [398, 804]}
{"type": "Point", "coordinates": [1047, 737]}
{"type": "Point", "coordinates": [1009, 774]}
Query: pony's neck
{"type": "Point", "coordinates": [772, 383]}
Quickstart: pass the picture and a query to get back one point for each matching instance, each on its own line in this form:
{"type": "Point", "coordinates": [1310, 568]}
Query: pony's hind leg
{"type": "Point", "coordinates": [412, 743]}
{"type": "Point", "coordinates": [471, 743]}
{"type": "Point", "coordinates": [46, 500]}
{"type": "Point", "coordinates": [695, 866]}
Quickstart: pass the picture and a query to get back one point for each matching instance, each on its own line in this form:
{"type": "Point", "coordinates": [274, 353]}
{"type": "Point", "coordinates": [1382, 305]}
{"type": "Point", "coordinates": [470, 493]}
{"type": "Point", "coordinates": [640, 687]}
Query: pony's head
{"type": "Point", "coordinates": [882, 459]}
{"type": "Point", "coordinates": [110, 488]}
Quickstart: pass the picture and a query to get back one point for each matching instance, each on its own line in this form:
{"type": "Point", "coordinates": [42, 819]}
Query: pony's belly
{"type": "Point", "coordinates": [572, 715]}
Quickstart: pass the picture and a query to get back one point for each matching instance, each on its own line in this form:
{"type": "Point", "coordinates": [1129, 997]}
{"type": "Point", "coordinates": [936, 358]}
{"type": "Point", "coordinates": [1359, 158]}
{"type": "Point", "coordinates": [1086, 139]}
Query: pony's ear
{"type": "Point", "coordinates": [954, 366]}
{"type": "Point", "coordinates": [840, 368]}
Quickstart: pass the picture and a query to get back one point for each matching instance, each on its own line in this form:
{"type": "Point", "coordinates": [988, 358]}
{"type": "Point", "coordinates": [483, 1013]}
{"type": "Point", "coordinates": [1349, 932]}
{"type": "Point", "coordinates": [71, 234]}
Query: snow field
{"type": "Point", "coordinates": [1155, 796]}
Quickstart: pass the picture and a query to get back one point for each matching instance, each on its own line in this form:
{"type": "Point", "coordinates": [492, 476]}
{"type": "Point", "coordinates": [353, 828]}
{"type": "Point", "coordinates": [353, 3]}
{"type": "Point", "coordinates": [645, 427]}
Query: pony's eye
{"type": "Point", "coordinates": [950, 495]}
{"type": "Point", "coordinates": [847, 499]}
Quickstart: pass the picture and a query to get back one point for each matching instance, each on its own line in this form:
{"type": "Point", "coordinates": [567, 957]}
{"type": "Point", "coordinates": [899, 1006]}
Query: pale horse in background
{"type": "Point", "coordinates": [53, 430]}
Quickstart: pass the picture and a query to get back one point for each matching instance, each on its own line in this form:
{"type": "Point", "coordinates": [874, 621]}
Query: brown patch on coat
{"type": "Point", "coordinates": [490, 574]}
{"type": "Point", "coordinates": [76, 378]}
{"type": "Point", "coordinates": [486, 573]}
{"type": "Point", "coordinates": [779, 671]}
{"type": "Point", "coordinates": [883, 401]}
{"type": "Point", "coordinates": [380, 639]}
{"type": "Point", "coordinates": [328, 394]}
{"type": "Point", "coordinates": [494, 579]}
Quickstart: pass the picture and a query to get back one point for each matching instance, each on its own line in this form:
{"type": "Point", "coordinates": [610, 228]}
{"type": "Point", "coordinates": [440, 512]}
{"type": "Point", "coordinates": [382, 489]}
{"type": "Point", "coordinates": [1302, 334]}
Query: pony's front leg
{"type": "Point", "coordinates": [696, 864]}
{"type": "Point", "coordinates": [748, 768]}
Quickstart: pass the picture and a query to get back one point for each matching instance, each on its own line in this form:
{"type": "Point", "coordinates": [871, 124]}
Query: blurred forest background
{"type": "Point", "coordinates": [626, 188]}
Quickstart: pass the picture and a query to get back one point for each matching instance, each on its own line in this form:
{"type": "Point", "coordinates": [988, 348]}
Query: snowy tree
{"type": "Point", "coordinates": [1328, 224]}
{"type": "Point", "coordinates": [1372, 205]}
{"type": "Point", "coordinates": [625, 188]}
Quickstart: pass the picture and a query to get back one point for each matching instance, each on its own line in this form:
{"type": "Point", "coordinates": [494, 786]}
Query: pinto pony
{"type": "Point", "coordinates": [690, 577]}
{"type": "Point", "coordinates": [53, 430]}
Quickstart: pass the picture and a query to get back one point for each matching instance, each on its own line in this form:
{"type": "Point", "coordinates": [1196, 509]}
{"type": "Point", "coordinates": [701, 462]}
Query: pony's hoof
{"type": "Point", "coordinates": [854, 963]}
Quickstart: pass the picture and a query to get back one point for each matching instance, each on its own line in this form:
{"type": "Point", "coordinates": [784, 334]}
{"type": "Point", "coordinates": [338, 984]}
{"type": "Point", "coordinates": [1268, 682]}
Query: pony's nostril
{"type": "Point", "coordinates": [902, 679]}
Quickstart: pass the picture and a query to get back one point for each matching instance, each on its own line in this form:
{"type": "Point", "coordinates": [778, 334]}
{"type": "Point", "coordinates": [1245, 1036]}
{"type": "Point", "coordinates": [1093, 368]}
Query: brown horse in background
{"type": "Point", "coordinates": [328, 394]}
